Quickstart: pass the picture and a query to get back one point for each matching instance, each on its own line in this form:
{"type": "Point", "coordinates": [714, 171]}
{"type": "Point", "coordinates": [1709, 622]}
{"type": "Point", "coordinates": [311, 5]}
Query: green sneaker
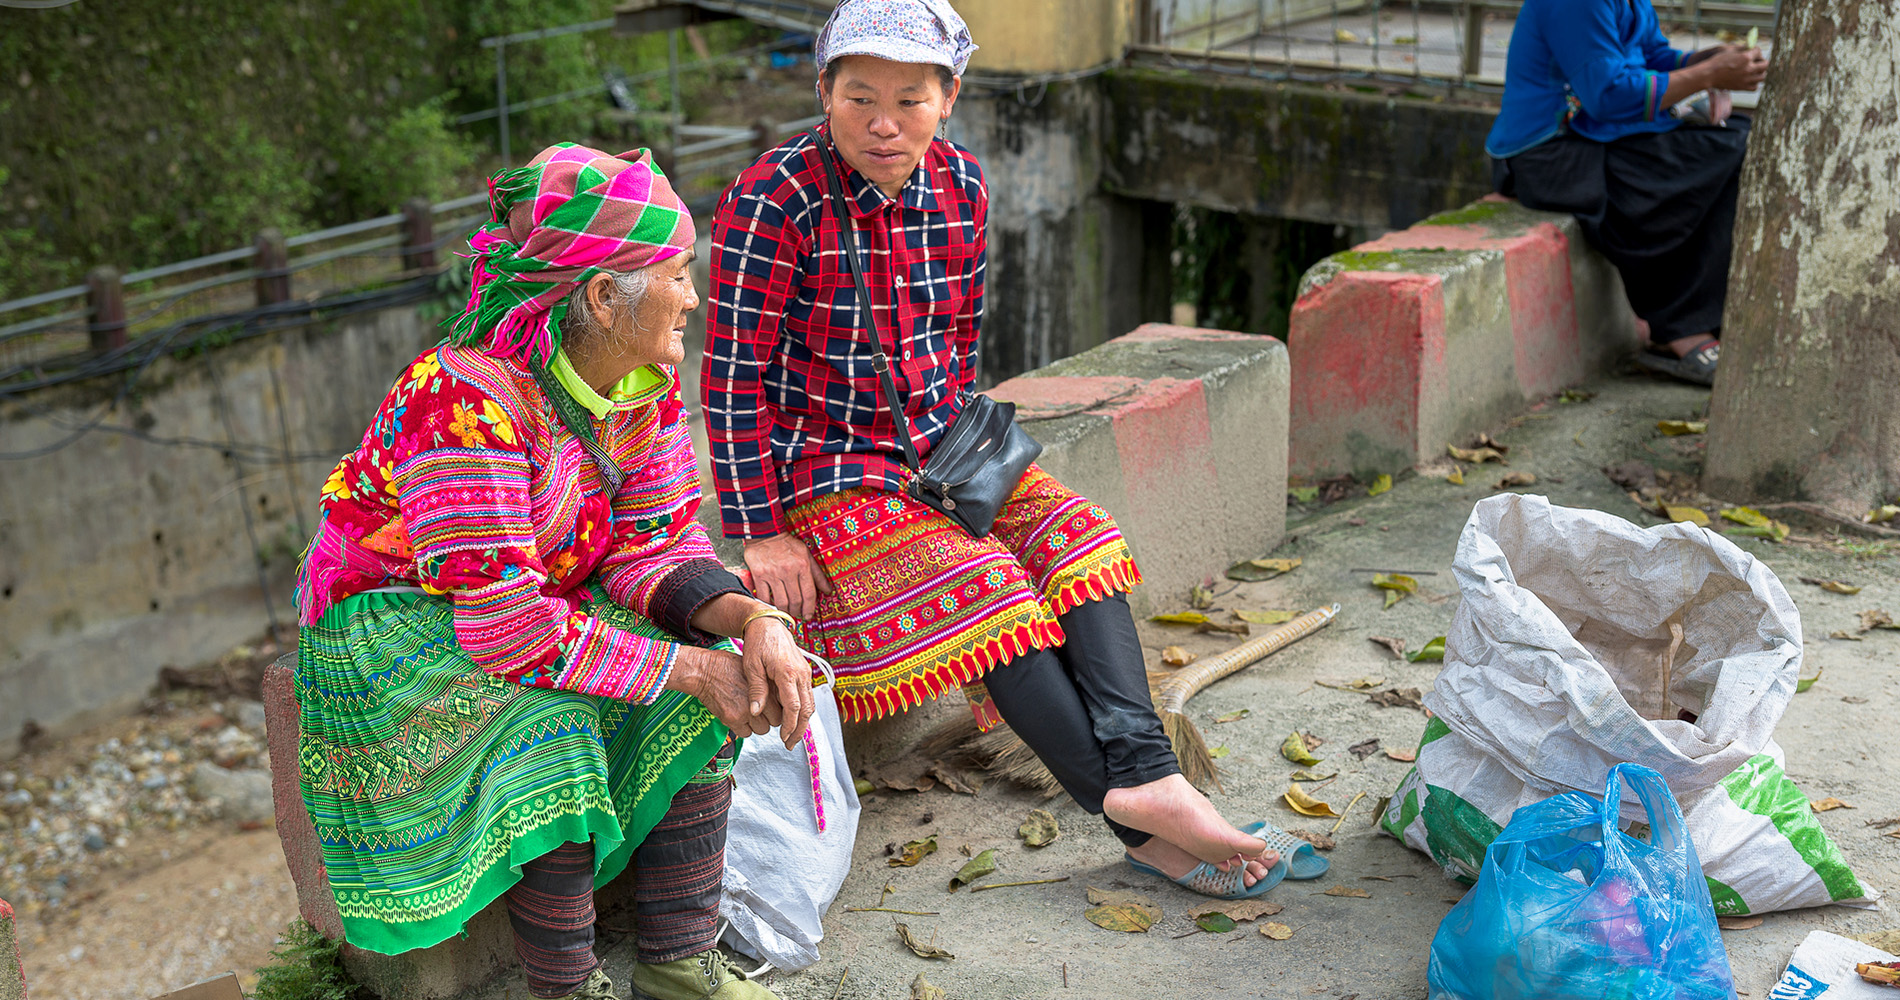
{"type": "Point", "coordinates": [596, 987]}
{"type": "Point", "coordinates": [705, 976]}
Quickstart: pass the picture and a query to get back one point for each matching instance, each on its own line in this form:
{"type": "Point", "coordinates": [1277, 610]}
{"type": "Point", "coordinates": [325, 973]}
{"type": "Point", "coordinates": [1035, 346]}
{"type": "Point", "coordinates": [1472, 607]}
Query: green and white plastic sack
{"type": "Point", "coordinates": [1582, 641]}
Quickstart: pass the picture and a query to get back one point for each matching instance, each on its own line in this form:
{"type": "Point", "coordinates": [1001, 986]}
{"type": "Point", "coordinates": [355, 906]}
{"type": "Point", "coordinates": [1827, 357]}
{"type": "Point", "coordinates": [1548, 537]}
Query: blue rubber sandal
{"type": "Point", "coordinates": [1296, 854]}
{"type": "Point", "coordinates": [1209, 880]}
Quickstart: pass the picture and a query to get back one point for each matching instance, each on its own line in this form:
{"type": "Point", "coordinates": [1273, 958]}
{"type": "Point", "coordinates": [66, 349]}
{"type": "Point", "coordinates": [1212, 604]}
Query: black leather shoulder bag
{"type": "Point", "coordinates": [983, 454]}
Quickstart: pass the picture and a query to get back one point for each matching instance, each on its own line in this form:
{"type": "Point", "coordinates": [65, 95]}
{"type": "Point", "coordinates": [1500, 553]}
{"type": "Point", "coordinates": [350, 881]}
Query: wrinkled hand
{"type": "Point", "coordinates": [1720, 106]}
{"type": "Point", "coordinates": [786, 575]}
{"type": "Point", "coordinates": [1732, 67]}
{"type": "Point", "coordinates": [718, 679]}
{"type": "Point", "coordinates": [778, 680]}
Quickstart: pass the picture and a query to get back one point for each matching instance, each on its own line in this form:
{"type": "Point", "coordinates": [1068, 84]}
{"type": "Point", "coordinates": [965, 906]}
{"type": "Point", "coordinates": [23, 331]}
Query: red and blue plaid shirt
{"type": "Point", "coordinates": [791, 398]}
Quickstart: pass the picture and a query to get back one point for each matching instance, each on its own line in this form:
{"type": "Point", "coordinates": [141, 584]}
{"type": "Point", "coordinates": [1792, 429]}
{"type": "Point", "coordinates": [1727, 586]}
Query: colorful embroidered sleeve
{"type": "Point", "coordinates": [1609, 79]}
{"type": "Point", "coordinates": [463, 491]}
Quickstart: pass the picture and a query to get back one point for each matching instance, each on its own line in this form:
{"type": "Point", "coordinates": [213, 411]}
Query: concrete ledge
{"type": "Point", "coordinates": [1180, 433]}
{"type": "Point", "coordinates": [449, 969]}
{"type": "Point", "coordinates": [12, 970]}
{"type": "Point", "coordinates": [1431, 334]}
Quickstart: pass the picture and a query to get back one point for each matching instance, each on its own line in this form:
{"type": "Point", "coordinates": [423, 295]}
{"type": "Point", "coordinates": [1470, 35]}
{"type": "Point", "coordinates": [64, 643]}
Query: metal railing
{"type": "Point", "coordinates": [1432, 42]}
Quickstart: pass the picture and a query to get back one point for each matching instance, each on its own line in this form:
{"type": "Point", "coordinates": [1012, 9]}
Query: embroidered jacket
{"type": "Point", "coordinates": [468, 484]}
{"type": "Point", "coordinates": [791, 399]}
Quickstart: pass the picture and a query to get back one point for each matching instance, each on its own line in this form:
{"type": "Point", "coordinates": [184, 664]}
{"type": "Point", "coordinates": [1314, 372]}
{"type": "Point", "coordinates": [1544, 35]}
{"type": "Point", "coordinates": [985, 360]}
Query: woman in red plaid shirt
{"type": "Point", "coordinates": [901, 600]}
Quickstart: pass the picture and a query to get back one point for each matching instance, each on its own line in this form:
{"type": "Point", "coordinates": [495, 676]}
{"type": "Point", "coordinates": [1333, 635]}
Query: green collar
{"type": "Point", "coordinates": [641, 386]}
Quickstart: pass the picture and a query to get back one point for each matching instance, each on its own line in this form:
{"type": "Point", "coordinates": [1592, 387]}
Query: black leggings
{"type": "Point", "coordinates": [1084, 708]}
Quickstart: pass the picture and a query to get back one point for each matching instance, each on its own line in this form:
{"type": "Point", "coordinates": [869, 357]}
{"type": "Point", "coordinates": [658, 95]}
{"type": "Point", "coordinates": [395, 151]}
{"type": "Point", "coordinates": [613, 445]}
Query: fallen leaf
{"type": "Point", "coordinates": [1403, 756]}
{"type": "Point", "coordinates": [1397, 698]}
{"type": "Point", "coordinates": [915, 851]}
{"type": "Point", "coordinates": [1255, 570]}
{"type": "Point", "coordinates": [1375, 878]}
{"type": "Point", "coordinates": [1405, 39]}
{"type": "Point", "coordinates": [1380, 485]}
{"type": "Point", "coordinates": [1312, 742]}
{"type": "Point", "coordinates": [863, 786]}
{"type": "Point", "coordinates": [1200, 598]}
{"type": "Point", "coordinates": [1514, 479]}
{"type": "Point", "coordinates": [1305, 775]}
{"type": "Point", "coordinates": [1223, 628]}
{"type": "Point", "coordinates": [1456, 476]}
{"type": "Point", "coordinates": [1216, 753]}
{"type": "Point", "coordinates": [1305, 804]}
{"type": "Point", "coordinates": [919, 948]}
{"type": "Point", "coordinates": [1234, 716]}
{"type": "Point", "coordinates": [1475, 456]}
{"type": "Point", "coordinates": [1238, 909]}
{"type": "Point", "coordinates": [1266, 617]}
{"type": "Point", "coordinates": [1278, 932]}
{"type": "Point", "coordinates": [1396, 645]}
{"type": "Point", "coordinates": [1347, 891]}
{"type": "Point", "coordinates": [1576, 396]}
{"type": "Point", "coordinates": [1854, 699]}
{"type": "Point", "coordinates": [1874, 618]}
{"type": "Point", "coordinates": [1039, 829]}
{"type": "Point", "coordinates": [1806, 680]}
{"type": "Point", "coordinates": [1836, 634]}
{"type": "Point", "coordinates": [921, 989]}
{"type": "Point", "coordinates": [1395, 585]}
{"type": "Point", "coordinates": [1676, 428]}
{"type": "Point", "coordinates": [1774, 531]}
{"type": "Point", "coordinates": [1745, 515]}
{"type": "Point", "coordinates": [1833, 586]}
{"type": "Point", "coordinates": [1681, 514]}
{"type": "Point", "coordinates": [1828, 804]}
{"type": "Point", "coordinates": [1214, 923]}
{"type": "Point", "coordinates": [1320, 841]}
{"type": "Point", "coordinates": [1175, 656]}
{"type": "Point", "coordinates": [1303, 494]}
{"type": "Point", "coordinates": [1342, 35]}
{"type": "Point", "coordinates": [977, 867]}
{"type": "Point", "coordinates": [908, 773]}
{"type": "Point", "coordinates": [956, 780]}
{"type": "Point", "coordinates": [1360, 684]}
{"type": "Point", "coordinates": [1882, 514]}
{"type": "Point", "coordinates": [1433, 651]}
{"type": "Point", "coordinates": [1128, 912]}
{"type": "Point", "coordinates": [1882, 824]}
{"type": "Point", "coordinates": [1181, 618]}
{"type": "Point", "coordinates": [1738, 923]}
{"type": "Point", "coordinates": [1364, 748]}
{"type": "Point", "coordinates": [1293, 748]}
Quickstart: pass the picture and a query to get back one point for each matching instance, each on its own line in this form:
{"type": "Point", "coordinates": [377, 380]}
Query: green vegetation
{"type": "Point", "coordinates": [142, 133]}
{"type": "Point", "coordinates": [1476, 213]}
{"type": "Point", "coordinates": [306, 968]}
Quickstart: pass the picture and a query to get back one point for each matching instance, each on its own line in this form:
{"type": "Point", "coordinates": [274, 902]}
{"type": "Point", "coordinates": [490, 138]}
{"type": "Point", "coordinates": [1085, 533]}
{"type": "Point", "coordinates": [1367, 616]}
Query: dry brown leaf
{"type": "Point", "coordinates": [919, 948]}
{"type": "Point", "coordinates": [1238, 628]}
{"type": "Point", "coordinates": [1475, 456]}
{"type": "Point", "coordinates": [1364, 748]}
{"type": "Point", "coordinates": [1312, 742]}
{"type": "Point", "coordinates": [909, 773]}
{"type": "Point", "coordinates": [1278, 932]}
{"type": "Point", "coordinates": [1200, 598]}
{"type": "Point", "coordinates": [1833, 586]}
{"type": "Point", "coordinates": [1255, 570]}
{"type": "Point", "coordinates": [1305, 804]}
{"type": "Point", "coordinates": [1039, 829]}
{"type": "Point", "coordinates": [1874, 618]}
{"type": "Point", "coordinates": [1347, 891]}
{"type": "Point", "coordinates": [1738, 923]}
{"type": "Point", "coordinates": [1175, 656]}
{"type": "Point", "coordinates": [1396, 645]}
{"type": "Point", "coordinates": [1403, 756]}
{"type": "Point", "coordinates": [1305, 774]}
{"type": "Point", "coordinates": [1128, 912]}
{"type": "Point", "coordinates": [915, 851]}
{"type": "Point", "coordinates": [1234, 716]}
{"type": "Point", "coordinates": [1841, 633]}
{"type": "Point", "coordinates": [1320, 841]}
{"type": "Point", "coordinates": [1239, 909]}
{"type": "Point", "coordinates": [1360, 684]}
{"type": "Point", "coordinates": [1828, 804]}
{"type": "Point", "coordinates": [956, 780]}
{"type": "Point", "coordinates": [1398, 698]}
{"type": "Point", "coordinates": [1512, 479]}
{"type": "Point", "coordinates": [923, 989]}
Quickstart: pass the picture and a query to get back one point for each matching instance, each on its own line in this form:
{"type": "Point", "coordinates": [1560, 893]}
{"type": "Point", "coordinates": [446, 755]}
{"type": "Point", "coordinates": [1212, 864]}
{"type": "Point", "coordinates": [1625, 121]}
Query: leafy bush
{"type": "Point", "coordinates": [307, 967]}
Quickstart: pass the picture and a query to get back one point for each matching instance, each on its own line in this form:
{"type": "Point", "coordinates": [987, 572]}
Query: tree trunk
{"type": "Point", "coordinates": [1807, 396]}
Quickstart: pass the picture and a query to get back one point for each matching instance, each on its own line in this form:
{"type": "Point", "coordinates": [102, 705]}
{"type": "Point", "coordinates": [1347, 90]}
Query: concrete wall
{"type": "Point", "coordinates": [1291, 151]}
{"type": "Point", "coordinates": [1046, 36]}
{"type": "Point", "coordinates": [121, 554]}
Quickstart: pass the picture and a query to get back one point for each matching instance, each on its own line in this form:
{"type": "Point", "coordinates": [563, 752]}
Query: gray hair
{"type": "Point", "coordinates": [581, 333]}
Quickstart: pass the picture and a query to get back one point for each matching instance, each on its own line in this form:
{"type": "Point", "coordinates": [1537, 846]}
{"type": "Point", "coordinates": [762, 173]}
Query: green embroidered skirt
{"type": "Point", "coordinates": [430, 782]}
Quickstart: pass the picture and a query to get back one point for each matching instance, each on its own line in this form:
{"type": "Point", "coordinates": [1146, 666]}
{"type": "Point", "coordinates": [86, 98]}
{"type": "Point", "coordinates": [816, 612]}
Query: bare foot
{"type": "Point", "coordinates": [1175, 862]}
{"type": "Point", "coordinates": [1172, 810]}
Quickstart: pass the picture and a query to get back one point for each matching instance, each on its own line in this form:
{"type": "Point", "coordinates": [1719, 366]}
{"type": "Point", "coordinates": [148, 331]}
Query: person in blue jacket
{"type": "Point", "coordinates": [1587, 128]}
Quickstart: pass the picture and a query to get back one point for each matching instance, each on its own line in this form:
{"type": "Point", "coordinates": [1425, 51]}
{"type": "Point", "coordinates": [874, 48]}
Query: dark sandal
{"type": "Point", "coordinates": [1697, 367]}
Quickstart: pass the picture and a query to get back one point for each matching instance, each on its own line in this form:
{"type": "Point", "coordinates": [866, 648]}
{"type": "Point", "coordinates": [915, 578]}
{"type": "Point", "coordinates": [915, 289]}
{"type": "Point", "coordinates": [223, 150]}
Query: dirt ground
{"type": "Point", "coordinates": [208, 899]}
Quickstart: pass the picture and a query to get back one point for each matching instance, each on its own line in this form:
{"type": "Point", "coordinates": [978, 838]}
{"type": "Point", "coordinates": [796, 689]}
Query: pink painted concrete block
{"type": "Point", "coordinates": [12, 969]}
{"type": "Point", "coordinates": [283, 728]}
{"type": "Point", "coordinates": [1367, 350]}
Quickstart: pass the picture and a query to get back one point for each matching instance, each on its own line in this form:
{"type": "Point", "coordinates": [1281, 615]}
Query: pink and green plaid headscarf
{"type": "Point", "coordinates": [571, 213]}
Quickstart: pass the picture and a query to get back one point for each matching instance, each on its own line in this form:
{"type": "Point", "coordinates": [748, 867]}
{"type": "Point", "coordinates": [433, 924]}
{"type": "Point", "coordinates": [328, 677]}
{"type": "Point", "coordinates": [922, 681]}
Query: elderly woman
{"type": "Point", "coordinates": [1585, 128]}
{"type": "Point", "coordinates": [512, 670]}
{"type": "Point", "coordinates": [904, 602]}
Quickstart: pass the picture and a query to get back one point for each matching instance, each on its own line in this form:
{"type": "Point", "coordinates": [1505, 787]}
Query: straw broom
{"type": "Point", "coordinates": [1172, 694]}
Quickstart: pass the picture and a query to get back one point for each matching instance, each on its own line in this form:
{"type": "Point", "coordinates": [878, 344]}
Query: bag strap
{"type": "Point", "coordinates": [577, 424]}
{"type": "Point", "coordinates": [881, 362]}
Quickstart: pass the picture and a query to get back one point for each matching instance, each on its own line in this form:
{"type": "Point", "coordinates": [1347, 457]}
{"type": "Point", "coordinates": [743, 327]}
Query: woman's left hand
{"type": "Point", "coordinates": [778, 679]}
{"type": "Point", "coordinates": [1720, 107]}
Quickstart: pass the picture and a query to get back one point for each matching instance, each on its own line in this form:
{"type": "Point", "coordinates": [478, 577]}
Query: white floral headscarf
{"type": "Point", "coordinates": [908, 31]}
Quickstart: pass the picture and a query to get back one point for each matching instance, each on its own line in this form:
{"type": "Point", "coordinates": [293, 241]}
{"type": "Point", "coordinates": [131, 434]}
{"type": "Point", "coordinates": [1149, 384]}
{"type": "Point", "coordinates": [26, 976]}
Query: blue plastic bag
{"type": "Point", "coordinates": [1569, 907]}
